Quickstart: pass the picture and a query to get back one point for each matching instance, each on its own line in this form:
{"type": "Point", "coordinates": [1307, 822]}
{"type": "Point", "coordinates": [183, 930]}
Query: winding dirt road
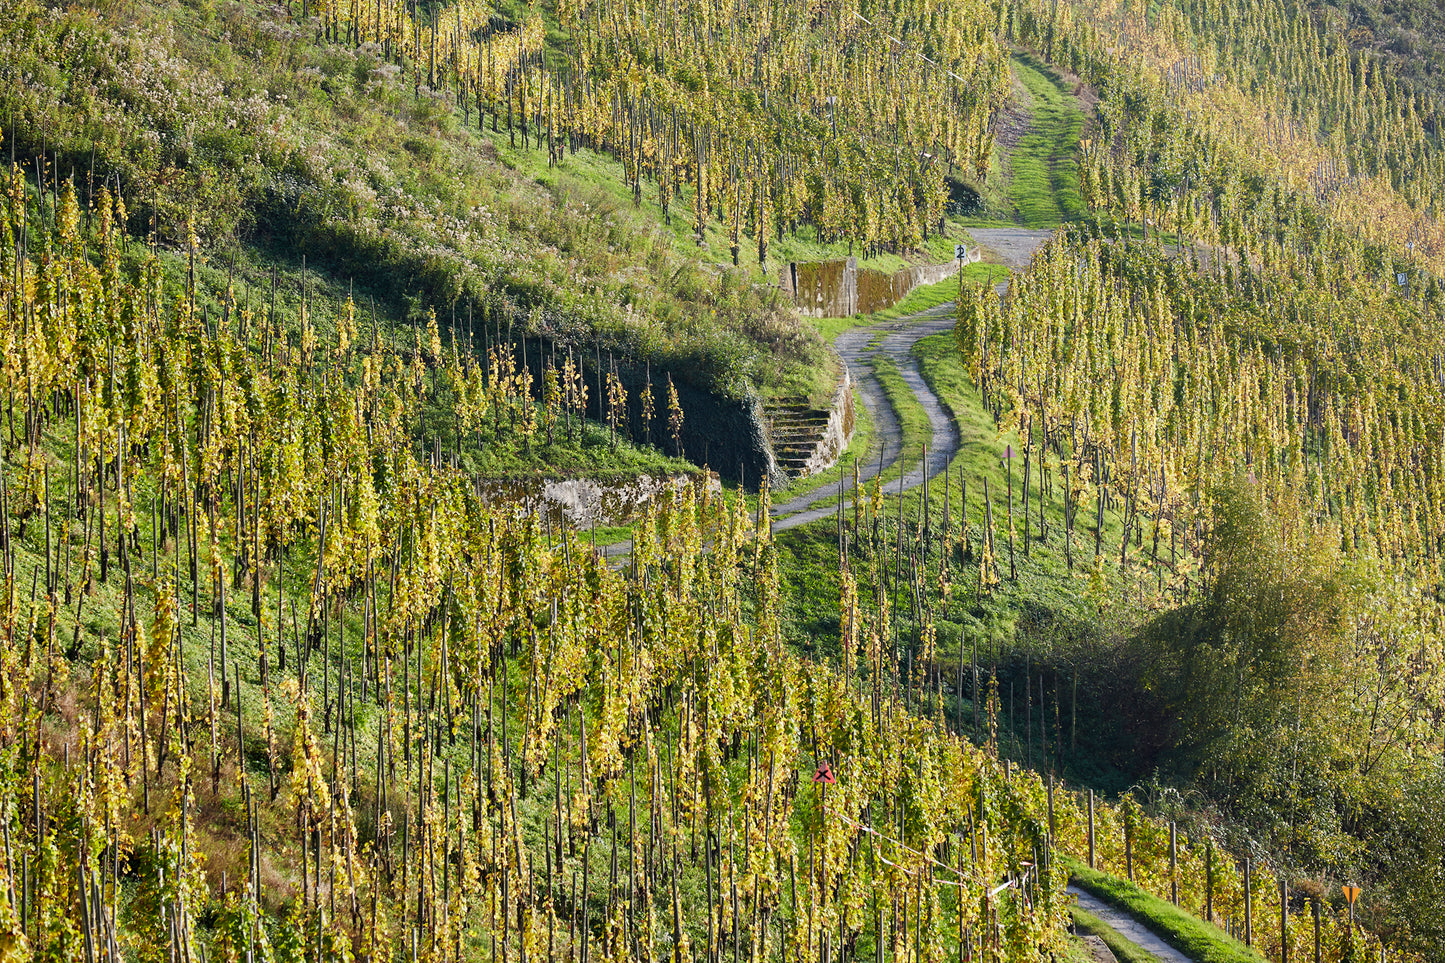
{"type": "Point", "coordinates": [1013, 247]}
{"type": "Point", "coordinates": [857, 347]}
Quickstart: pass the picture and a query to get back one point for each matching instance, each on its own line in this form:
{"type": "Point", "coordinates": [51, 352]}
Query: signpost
{"type": "Point", "coordinates": [1352, 893]}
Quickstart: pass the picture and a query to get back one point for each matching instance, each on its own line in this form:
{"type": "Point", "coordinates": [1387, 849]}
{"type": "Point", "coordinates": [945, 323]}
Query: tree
{"type": "Point", "coordinates": [1251, 673]}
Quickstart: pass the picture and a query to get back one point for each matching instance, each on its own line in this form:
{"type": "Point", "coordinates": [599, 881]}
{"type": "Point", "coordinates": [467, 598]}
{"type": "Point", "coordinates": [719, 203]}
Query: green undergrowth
{"type": "Point", "coordinates": [1200, 941]}
{"type": "Point", "coordinates": [1055, 619]}
{"type": "Point", "coordinates": [993, 207]}
{"type": "Point", "coordinates": [1077, 951]}
{"type": "Point", "coordinates": [829, 328]}
{"type": "Point", "coordinates": [1124, 951]}
{"type": "Point", "coordinates": [608, 534]}
{"type": "Point", "coordinates": [592, 452]}
{"type": "Point", "coordinates": [262, 286]}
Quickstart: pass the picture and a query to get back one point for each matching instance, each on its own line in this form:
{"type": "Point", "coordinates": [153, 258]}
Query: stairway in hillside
{"type": "Point", "coordinates": [795, 429]}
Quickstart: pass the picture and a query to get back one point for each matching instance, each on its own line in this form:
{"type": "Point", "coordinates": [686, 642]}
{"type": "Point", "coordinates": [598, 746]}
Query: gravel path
{"type": "Point", "coordinates": [1127, 927]}
{"type": "Point", "coordinates": [1014, 246]}
{"type": "Point", "coordinates": [857, 347]}
{"type": "Point", "coordinates": [1011, 246]}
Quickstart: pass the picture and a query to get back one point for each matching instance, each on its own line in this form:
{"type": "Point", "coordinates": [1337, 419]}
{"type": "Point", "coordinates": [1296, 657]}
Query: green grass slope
{"type": "Point", "coordinates": [1043, 183]}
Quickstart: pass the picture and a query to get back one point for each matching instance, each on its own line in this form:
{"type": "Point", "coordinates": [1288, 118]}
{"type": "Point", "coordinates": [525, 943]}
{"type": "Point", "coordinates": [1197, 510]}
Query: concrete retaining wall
{"type": "Point", "coordinates": [582, 502]}
{"type": "Point", "coordinates": [839, 289]}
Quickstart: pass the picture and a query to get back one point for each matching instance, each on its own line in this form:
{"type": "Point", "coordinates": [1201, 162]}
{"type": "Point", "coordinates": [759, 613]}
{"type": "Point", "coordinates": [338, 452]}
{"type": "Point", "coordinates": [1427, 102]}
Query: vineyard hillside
{"type": "Point", "coordinates": [464, 164]}
{"type": "Point", "coordinates": [1407, 34]}
{"type": "Point", "coordinates": [1132, 576]}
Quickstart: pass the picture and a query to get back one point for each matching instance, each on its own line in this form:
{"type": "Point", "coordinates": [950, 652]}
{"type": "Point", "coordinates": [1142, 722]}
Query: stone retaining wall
{"type": "Point", "coordinates": [839, 431]}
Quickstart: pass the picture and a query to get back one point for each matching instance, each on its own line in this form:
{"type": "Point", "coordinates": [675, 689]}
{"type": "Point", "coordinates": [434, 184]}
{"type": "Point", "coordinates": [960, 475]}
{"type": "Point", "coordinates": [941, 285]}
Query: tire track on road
{"type": "Point", "coordinates": [857, 347]}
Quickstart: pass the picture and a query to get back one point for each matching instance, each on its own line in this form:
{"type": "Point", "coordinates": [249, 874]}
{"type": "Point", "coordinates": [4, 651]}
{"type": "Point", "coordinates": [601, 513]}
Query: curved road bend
{"type": "Point", "coordinates": [1013, 247]}
{"type": "Point", "coordinates": [857, 347]}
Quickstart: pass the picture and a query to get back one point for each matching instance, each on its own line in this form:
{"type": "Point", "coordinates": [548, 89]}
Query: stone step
{"type": "Point", "coordinates": [796, 426]}
{"type": "Point", "coordinates": [815, 423]}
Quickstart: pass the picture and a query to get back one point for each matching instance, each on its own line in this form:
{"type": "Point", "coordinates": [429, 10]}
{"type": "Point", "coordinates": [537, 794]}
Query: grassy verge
{"type": "Point", "coordinates": [1075, 951]}
{"type": "Point", "coordinates": [1123, 950]}
{"type": "Point", "coordinates": [1200, 941]}
{"type": "Point", "coordinates": [912, 419]}
{"type": "Point", "coordinates": [1044, 181]}
{"type": "Point", "coordinates": [830, 328]}
{"type": "Point", "coordinates": [590, 451]}
{"type": "Point", "coordinates": [608, 534]}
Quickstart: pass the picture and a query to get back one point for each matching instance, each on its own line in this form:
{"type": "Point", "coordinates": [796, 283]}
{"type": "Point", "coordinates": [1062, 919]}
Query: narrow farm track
{"type": "Point", "coordinates": [1128, 927]}
{"type": "Point", "coordinates": [857, 347]}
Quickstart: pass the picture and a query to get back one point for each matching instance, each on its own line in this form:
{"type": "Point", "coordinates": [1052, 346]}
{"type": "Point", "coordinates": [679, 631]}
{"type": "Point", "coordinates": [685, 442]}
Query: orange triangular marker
{"type": "Point", "coordinates": [825, 775]}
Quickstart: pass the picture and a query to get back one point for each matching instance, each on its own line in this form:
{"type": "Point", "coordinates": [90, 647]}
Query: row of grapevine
{"type": "Point", "coordinates": [905, 568]}
{"type": "Point", "coordinates": [761, 118]}
{"type": "Point", "coordinates": [1182, 380]}
{"type": "Point", "coordinates": [1217, 105]}
{"type": "Point", "coordinates": [1276, 333]}
{"type": "Point", "coordinates": [275, 684]}
{"type": "Point", "coordinates": [1240, 896]}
